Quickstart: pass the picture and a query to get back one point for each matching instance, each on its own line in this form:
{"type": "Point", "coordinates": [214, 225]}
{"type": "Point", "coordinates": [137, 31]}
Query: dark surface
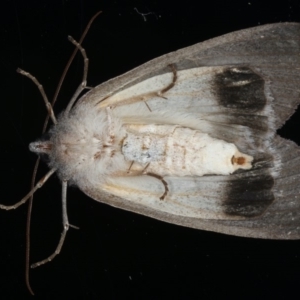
{"type": "Point", "coordinates": [116, 254]}
{"type": "Point", "coordinates": [230, 92]}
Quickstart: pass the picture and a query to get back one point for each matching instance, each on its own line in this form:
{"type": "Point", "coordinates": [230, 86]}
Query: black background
{"type": "Point", "coordinates": [117, 254]}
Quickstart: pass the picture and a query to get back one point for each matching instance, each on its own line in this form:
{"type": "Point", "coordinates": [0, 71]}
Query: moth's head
{"type": "Point", "coordinates": [58, 148]}
{"type": "Point", "coordinates": [42, 147]}
{"type": "Point", "coordinates": [74, 145]}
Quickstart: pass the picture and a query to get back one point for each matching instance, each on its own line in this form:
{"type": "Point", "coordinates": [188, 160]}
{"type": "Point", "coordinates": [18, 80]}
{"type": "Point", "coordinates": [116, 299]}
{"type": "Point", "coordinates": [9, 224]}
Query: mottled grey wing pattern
{"type": "Point", "coordinates": [255, 90]}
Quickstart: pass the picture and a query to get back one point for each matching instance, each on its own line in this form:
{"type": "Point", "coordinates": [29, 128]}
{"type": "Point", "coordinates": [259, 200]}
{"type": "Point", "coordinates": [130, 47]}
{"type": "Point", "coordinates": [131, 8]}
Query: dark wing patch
{"type": "Point", "coordinates": [249, 196]}
{"type": "Point", "coordinates": [250, 193]}
{"type": "Point", "coordinates": [240, 88]}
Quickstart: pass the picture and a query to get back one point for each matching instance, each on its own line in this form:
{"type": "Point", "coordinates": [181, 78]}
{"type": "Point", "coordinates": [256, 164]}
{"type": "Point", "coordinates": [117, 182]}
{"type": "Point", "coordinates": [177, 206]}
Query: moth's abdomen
{"type": "Point", "coordinates": [177, 151]}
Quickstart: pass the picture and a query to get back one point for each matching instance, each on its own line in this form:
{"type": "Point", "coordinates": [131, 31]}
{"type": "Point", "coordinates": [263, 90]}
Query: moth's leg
{"type": "Point", "coordinates": [144, 171]}
{"type": "Point", "coordinates": [144, 97]}
{"type": "Point", "coordinates": [164, 90]}
{"type": "Point", "coordinates": [163, 181]}
{"type": "Point", "coordinates": [41, 89]}
{"type": "Point", "coordinates": [39, 184]}
{"type": "Point", "coordinates": [66, 226]}
{"type": "Point", "coordinates": [168, 87]}
{"type": "Point", "coordinates": [128, 171]}
{"type": "Point", "coordinates": [159, 178]}
{"type": "Point", "coordinates": [147, 105]}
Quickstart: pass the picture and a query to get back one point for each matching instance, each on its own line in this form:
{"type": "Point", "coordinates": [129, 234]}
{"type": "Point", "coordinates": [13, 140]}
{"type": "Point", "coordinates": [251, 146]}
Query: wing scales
{"type": "Point", "coordinates": [262, 202]}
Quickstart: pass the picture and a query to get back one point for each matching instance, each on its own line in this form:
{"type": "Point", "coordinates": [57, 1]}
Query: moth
{"type": "Point", "coordinates": [190, 137]}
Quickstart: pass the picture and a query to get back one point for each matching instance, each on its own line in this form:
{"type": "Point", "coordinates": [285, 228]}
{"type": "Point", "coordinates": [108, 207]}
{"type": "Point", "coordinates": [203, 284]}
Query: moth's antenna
{"type": "Point", "coordinates": [69, 64]}
{"type": "Point", "coordinates": [82, 85]}
{"type": "Point", "coordinates": [38, 160]}
{"type": "Point", "coordinates": [28, 222]}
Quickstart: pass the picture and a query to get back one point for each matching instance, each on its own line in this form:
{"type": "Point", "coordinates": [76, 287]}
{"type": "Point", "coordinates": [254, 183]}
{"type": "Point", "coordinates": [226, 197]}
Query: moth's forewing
{"type": "Point", "coordinates": [246, 85]}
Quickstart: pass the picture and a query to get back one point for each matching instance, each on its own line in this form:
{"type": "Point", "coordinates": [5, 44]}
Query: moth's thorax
{"type": "Point", "coordinates": [86, 145]}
